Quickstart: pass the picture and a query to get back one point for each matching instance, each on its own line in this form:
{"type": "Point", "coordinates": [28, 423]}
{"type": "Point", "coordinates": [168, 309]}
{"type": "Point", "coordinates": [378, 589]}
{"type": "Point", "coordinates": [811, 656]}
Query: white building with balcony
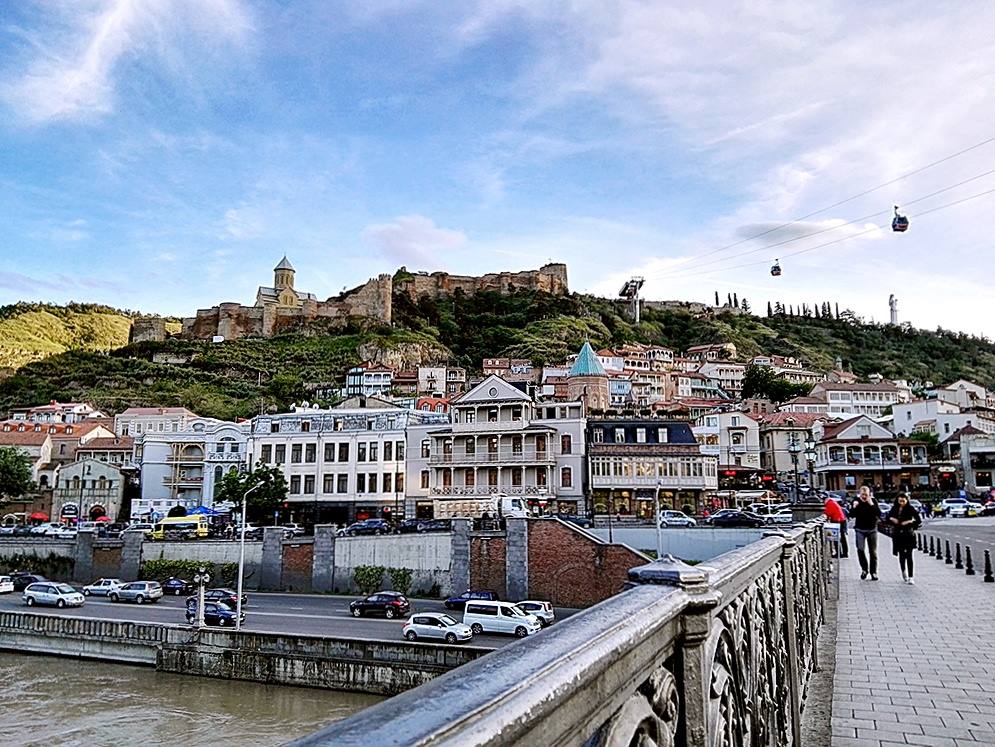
{"type": "Point", "coordinates": [725, 375]}
{"type": "Point", "coordinates": [846, 400]}
{"type": "Point", "coordinates": [138, 420]}
{"type": "Point", "coordinates": [369, 380]}
{"type": "Point", "coordinates": [731, 437]}
{"type": "Point", "coordinates": [937, 416]}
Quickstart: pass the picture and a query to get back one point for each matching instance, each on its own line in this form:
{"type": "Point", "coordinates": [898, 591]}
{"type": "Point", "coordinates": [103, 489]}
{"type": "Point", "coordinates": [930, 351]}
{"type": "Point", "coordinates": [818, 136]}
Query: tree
{"type": "Point", "coordinates": [261, 502]}
{"type": "Point", "coordinates": [729, 300]}
{"type": "Point", "coordinates": [735, 300]}
{"type": "Point", "coordinates": [15, 474]}
{"type": "Point", "coordinates": [770, 311]}
{"type": "Point", "coordinates": [745, 305]}
{"type": "Point", "coordinates": [717, 299]}
{"type": "Point", "coordinates": [761, 381]}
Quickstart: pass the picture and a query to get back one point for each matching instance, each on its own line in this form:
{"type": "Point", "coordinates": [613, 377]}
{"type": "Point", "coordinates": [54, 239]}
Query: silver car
{"type": "Point", "coordinates": [436, 625]}
{"type": "Point", "coordinates": [138, 592]}
{"type": "Point", "coordinates": [102, 586]}
{"type": "Point", "coordinates": [51, 593]}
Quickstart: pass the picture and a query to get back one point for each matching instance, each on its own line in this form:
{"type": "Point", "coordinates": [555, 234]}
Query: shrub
{"type": "Point", "coordinates": [51, 566]}
{"type": "Point", "coordinates": [400, 579]}
{"type": "Point", "coordinates": [222, 574]}
{"type": "Point", "coordinates": [369, 578]}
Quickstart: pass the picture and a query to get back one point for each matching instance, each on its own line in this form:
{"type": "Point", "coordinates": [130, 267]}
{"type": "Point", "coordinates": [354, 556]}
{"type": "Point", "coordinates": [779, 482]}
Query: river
{"type": "Point", "coordinates": [47, 701]}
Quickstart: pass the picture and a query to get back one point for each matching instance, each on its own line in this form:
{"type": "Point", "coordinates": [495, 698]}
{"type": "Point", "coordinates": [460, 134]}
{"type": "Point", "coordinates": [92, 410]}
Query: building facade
{"type": "Point", "coordinates": [138, 420]}
{"type": "Point", "coordinates": [88, 490]}
{"type": "Point", "coordinates": [859, 452]}
{"type": "Point", "coordinates": [846, 400]}
{"type": "Point", "coordinates": [369, 380]}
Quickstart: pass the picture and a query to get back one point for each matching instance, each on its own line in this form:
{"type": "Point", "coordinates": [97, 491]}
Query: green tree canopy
{"type": "Point", "coordinates": [15, 474]}
{"type": "Point", "coordinates": [761, 381]}
{"type": "Point", "coordinates": [261, 502]}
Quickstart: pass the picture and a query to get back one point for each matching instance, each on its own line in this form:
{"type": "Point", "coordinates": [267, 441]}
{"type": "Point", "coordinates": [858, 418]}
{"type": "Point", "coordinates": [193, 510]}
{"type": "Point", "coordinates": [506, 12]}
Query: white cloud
{"type": "Point", "coordinates": [72, 66]}
{"type": "Point", "coordinates": [241, 223]}
{"type": "Point", "coordinates": [415, 240]}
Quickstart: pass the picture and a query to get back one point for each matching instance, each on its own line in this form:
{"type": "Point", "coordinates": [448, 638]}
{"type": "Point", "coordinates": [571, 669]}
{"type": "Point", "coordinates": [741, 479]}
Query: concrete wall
{"type": "Point", "coordinates": [39, 548]}
{"type": "Point", "coordinates": [687, 544]}
{"type": "Point", "coordinates": [428, 556]}
{"type": "Point", "coordinates": [209, 551]}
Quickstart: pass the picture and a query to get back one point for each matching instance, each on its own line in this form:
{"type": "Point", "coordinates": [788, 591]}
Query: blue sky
{"type": "Point", "coordinates": [162, 155]}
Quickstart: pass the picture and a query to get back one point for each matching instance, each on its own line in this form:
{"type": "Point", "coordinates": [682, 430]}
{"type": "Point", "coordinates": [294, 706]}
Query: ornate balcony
{"type": "Point", "coordinates": [494, 458]}
{"type": "Point", "coordinates": [475, 490]}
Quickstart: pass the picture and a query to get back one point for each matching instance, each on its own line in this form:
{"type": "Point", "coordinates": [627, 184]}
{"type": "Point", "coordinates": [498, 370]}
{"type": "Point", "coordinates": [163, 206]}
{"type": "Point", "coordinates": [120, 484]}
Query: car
{"type": "Point", "coordinates": [368, 526]}
{"type": "Point", "coordinates": [62, 532]}
{"type": "Point", "coordinates": [459, 602]}
{"type": "Point", "coordinates": [294, 530]}
{"type": "Point", "coordinates": [676, 519]}
{"type": "Point", "coordinates": [955, 506]}
{"type": "Point", "coordinates": [52, 593]}
{"type": "Point", "coordinates": [7, 530]}
{"type": "Point", "coordinates": [390, 604]}
{"type": "Point", "coordinates": [988, 509]}
{"type": "Point", "coordinates": [781, 517]}
{"type": "Point", "coordinates": [115, 529]}
{"type": "Point", "coordinates": [22, 580]}
{"type": "Point", "coordinates": [43, 530]}
{"type": "Point", "coordinates": [542, 610]}
{"type": "Point", "coordinates": [581, 521]}
{"type": "Point", "coordinates": [177, 586]}
{"type": "Point", "coordinates": [500, 617]}
{"type": "Point", "coordinates": [436, 625]}
{"type": "Point", "coordinates": [225, 596]}
{"type": "Point", "coordinates": [138, 592]}
{"type": "Point", "coordinates": [6, 585]}
{"type": "Point", "coordinates": [23, 530]}
{"type": "Point", "coordinates": [411, 526]}
{"type": "Point", "coordinates": [142, 527]}
{"type": "Point", "coordinates": [215, 613]}
{"type": "Point", "coordinates": [102, 587]}
{"type": "Point", "coordinates": [721, 512]}
{"type": "Point", "coordinates": [737, 519]}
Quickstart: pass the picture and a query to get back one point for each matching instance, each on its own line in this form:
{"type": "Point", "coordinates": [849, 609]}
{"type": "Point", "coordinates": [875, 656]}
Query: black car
{"type": "Point", "coordinates": [390, 604]}
{"type": "Point", "coordinates": [368, 526]}
{"type": "Point", "coordinates": [22, 580]}
{"type": "Point", "coordinates": [23, 530]}
{"type": "Point", "coordinates": [738, 519]}
{"type": "Point", "coordinates": [410, 526]}
{"type": "Point", "coordinates": [581, 521]}
{"type": "Point", "coordinates": [459, 602]}
{"type": "Point", "coordinates": [224, 596]}
{"type": "Point", "coordinates": [177, 586]}
{"type": "Point", "coordinates": [215, 613]}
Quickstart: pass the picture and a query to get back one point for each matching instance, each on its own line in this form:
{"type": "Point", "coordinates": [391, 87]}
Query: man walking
{"type": "Point", "coordinates": [865, 513]}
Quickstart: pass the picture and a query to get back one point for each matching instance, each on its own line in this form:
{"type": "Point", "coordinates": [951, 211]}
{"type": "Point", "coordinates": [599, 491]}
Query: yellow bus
{"type": "Point", "coordinates": [181, 527]}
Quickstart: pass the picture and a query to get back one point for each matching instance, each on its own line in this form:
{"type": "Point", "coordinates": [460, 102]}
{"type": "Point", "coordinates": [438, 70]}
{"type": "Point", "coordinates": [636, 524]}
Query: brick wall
{"type": "Point", "coordinates": [487, 564]}
{"type": "Point", "coordinates": [297, 560]}
{"type": "Point", "coordinates": [107, 562]}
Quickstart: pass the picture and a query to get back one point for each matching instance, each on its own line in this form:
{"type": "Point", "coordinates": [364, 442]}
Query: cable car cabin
{"type": "Point", "coordinates": [899, 223]}
{"type": "Point", "coordinates": [775, 271]}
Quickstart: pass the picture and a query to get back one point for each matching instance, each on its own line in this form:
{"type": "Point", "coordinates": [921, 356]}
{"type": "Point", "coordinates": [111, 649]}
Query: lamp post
{"type": "Point", "coordinates": [794, 448]}
{"type": "Point", "coordinates": [810, 456]}
{"type": "Point", "coordinates": [241, 559]}
{"type": "Point", "coordinates": [659, 529]}
{"type": "Point", "coordinates": [202, 579]}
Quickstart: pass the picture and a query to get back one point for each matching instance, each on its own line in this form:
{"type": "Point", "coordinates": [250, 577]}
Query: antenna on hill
{"type": "Point", "coordinates": [630, 292]}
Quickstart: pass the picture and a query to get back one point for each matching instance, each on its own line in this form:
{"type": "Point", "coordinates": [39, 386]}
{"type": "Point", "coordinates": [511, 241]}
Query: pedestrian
{"type": "Point", "coordinates": [904, 520]}
{"type": "Point", "coordinates": [866, 513]}
{"type": "Point", "coordinates": [834, 513]}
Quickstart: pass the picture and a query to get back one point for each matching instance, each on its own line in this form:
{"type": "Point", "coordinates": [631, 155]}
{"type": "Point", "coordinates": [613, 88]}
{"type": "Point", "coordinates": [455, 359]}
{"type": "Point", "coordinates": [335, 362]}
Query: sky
{"type": "Point", "coordinates": [163, 155]}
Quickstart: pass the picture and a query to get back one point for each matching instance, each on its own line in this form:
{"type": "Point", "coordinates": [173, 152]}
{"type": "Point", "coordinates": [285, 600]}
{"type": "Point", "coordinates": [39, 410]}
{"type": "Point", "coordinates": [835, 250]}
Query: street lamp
{"type": "Point", "coordinates": [241, 559]}
{"type": "Point", "coordinates": [202, 579]}
{"type": "Point", "coordinates": [794, 448]}
{"type": "Point", "coordinates": [810, 455]}
{"type": "Point", "coordinates": [659, 529]}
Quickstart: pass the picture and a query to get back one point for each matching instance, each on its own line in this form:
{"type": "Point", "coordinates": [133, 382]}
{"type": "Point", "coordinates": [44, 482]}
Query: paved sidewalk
{"type": "Point", "coordinates": [914, 664]}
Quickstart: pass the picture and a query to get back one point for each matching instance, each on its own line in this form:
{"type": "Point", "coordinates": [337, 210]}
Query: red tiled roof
{"type": "Point", "coordinates": [122, 443]}
{"type": "Point", "coordinates": [831, 430]}
{"type": "Point", "coordinates": [158, 411]}
{"type": "Point", "coordinates": [23, 438]}
{"type": "Point", "coordinates": [799, 419]}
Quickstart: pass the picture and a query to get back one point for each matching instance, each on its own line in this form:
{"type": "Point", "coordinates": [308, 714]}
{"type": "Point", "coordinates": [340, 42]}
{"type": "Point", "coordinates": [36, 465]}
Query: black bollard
{"type": "Point", "coordinates": [919, 541]}
{"type": "Point", "coordinates": [968, 563]}
{"type": "Point", "coordinates": [958, 563]}
{"type": "Point", "coordinates": [931, 544]}
{"type": "Point", "coordinates": [989, 577]}
{"type": "Point", "coordinates": [939, 549]}
{"type": "Point", "coordinates": [949, 560]}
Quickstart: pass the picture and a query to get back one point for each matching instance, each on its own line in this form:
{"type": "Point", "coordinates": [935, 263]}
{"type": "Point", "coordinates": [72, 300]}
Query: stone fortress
{"type": "Point", "coordinates": [282, 308]}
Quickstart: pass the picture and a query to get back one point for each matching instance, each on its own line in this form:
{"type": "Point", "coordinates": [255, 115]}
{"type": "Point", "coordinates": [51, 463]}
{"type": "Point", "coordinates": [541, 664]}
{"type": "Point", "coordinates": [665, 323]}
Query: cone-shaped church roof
{"type": "Point", "coordinates": [587, 363]}
{"type": "Point", "coordinates": [284, 264]}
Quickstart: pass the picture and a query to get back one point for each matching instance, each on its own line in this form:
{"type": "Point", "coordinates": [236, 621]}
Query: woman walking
{"type": "Point", "coordinates": [904, 520]}
{"type": "Point", "coordinates": [866, 513]}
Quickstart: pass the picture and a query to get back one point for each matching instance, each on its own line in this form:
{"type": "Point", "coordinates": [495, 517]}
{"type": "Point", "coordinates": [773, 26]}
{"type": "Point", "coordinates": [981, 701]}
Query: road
{"type": "Point", "coordinates": [307, 614]}
{"type": "Point", "coordinates": [977, 532]}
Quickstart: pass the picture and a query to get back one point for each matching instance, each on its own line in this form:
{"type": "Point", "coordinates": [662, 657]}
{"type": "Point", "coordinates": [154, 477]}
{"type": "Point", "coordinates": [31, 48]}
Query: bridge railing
{"type": "Point", "coordinates": [715, 654]}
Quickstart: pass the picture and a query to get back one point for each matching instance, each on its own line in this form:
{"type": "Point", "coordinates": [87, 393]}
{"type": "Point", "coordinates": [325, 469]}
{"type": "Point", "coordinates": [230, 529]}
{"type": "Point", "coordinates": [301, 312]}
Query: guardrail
{"type": "Point", "coordinates": [716, 654]}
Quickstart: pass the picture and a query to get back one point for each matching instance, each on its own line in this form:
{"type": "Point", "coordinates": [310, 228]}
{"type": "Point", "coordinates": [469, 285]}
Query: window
{"type": "Point", "coordinates": [305, 426]}
{"type": "Point", "coordinates": [309, 484]}
{"type": "Point", "coordinates": [640, 435]}
{"type": "Point", "coordinates": [734, 421]}
{"type": "Point", "coordinates": [516, 476]}
{"type": "Point", "coordinates": [342, 484]}
{"type": "Point", "coordinates": [343, 452]}
{"type": "Point", "coordinates": [281, 453]}
{"type": "Point", "coordinates": [541, 478]}
{"type": "Point", "coordinates": [516, 412]}
{"type": "Point", "coordinates": [425, 448]}
{"type": "Point", "coordinates": [447, 479]}
{"type": "Point", "coordinates": [737, 439]}
{"type": "Point", "coordinates": [598, 435]}
{"type": "Point", "coordinates": [388, 451]}
{"type": "Point", "coordinates": [424, 479]}
{"type": "Point", "coordinates": [274, 427]}
{"type": "Point", "coordinates": [328, 484]}
{"type": "Point", "coordinates": [566, 477]}
{"type": "Point", "coordinates": [470, 445]}
{"type": "Point", "coordinates": [662, 435]}
{"type": "Point", "coordinates": [361, 451]}
{"type": "Point", "coordinates": [374, 451]}
{"type": "Point", "coordinates": [295, 454]}
{"type": "Point", "coordinates": [371, 482]}
{"type": "Point", "coordinates": [329, 452]}
{"type": "Point", "coordinates": [387, 477]}
{"type": "Point", "coordinates": [361, 483]}
{"type": "Point", "coordinates": [62, 448]}
{"type": "Point", "coordinates": [540, 446]}
{"type": "Point", "coordinates": [399, 482]}
{"type": "Point", "coordinates": [566, 444]}
{"type": "Point", "coordinates": [471, 416]}
{"type": "Point", "coordinates": [619, 436]}
{"type": "Point", "coordinates": [492, 414]}
{"type": "Point", "coordinates": [310, 453]}
{"type": "Point", "coordinates": [492, 477]}
{"type": "Point", "coordinates": [295, 484]}
{"type": "Point", "coordinates": [469, 478]}
{"type": "Point", "coordinates": [399, 451]}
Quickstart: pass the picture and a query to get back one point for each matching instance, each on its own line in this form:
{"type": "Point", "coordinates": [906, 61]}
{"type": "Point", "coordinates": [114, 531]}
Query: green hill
{"type": "Point", "coordinates": [237, 378]}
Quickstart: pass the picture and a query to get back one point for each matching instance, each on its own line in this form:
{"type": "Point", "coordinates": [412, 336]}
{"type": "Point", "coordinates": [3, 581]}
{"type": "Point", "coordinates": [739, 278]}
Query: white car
{"type": "Point", "coordinates": [676, 519]}
{"type": "Point", "coordinates": [955, 506]}
{"type": "Point", "coordinates": [52, 593]}
{"type": "Point", "coordinates": [500, 617]}
{"type": "Point", "coordinates": [6, 585]}
{"type": "Point", "coordinates": [102, 587]}
{"type": "Point", "coordinates": [780, 517]}
{"type": "Point", "coordinates": [43, 529]}
{"type": "Point", "coordinates": [436, 625]}
{"type": "Point", "coordinates": [542, 610]}
{"type": "Point", "coordinates": [295, 530]}
{"type": "Point", "coordinates": [60, 531]}
{"type": "Point", "coordinates": [145, 528]}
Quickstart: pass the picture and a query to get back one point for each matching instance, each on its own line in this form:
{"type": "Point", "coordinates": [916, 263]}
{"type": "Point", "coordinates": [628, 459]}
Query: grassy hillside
{"type": "Point", "coordinates": [237, 378]}
{"type": "Point", "coordinates": [30, 332]}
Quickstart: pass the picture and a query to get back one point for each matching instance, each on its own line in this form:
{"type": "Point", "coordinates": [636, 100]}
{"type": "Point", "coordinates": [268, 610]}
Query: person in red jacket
{"type": "Point", "coordinates": [834, 513]}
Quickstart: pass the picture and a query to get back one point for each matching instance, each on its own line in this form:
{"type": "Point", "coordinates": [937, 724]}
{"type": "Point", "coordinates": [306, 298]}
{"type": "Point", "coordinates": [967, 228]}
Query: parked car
{"type": "Point", "coordinates": [781, 517]}
{"type": "Point", "coordinates": [138, 592]}
{"type": "Point", "coordinates": [42, 530]}
{"type": "Point", "coordinates": [146, 529]}
{"type": "Point", "coordinates": [6, 585]}
{"type": "Point", "coordinates": [411, 526]}
{"type": "Point", "coordinates": [215, 613]}
{"type": "Point", "coordinates": [390, 604]}
{"type": "Point", "coordinates": [676, 519]}
{"type": "Point", "coordinates": [102, 587]}
{"type": "Point", "coordinates": [7, 530]}
{"type": "Point", "coordinates": [737, 519]}
{"type": "Point", "coordinates": [581, 521]}
{"type": "Point", "coordinates": [710, 519]}
{"type": "Point", "coordinates": [438, 626]}
{"type": "Point", "coordinates": [294, 530]}
{"type": "Point", "coordinates": [51, 593]}
{"type": "Point", "coordinates": [115, 529]}
{"type": "Point", "coordinates": [177, 586]}
{"type": "Point", "coordinates": [23, 530]}
{"type": "Point", "coordinates": [989, 508]}
{"type": "Point", "coordinates": [542, 610]}
{"type": "Point", "coordinates": [224, 596]}
{"type": "Point", "coordinates": [500, 617]}
{"type": "Point", "coordinates": [22, 580]}
{"type": "Point", "coordinates": [368, 526]}
{"type": "Point", "coordinates": [955, 506]}
{"type": "Point", "coordinates": [459, 602]}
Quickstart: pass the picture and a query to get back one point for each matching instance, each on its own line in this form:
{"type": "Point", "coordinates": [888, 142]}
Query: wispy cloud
{"type": "Point", "coordinates": [415, 240]}
{"type": "Point", "coordinates": [73, 64]}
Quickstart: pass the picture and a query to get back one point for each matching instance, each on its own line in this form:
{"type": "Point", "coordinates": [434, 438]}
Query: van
{"type": "Point", "coordinates": [181, 527]}
{"type": "Point", "coordinates": [500, 617]}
